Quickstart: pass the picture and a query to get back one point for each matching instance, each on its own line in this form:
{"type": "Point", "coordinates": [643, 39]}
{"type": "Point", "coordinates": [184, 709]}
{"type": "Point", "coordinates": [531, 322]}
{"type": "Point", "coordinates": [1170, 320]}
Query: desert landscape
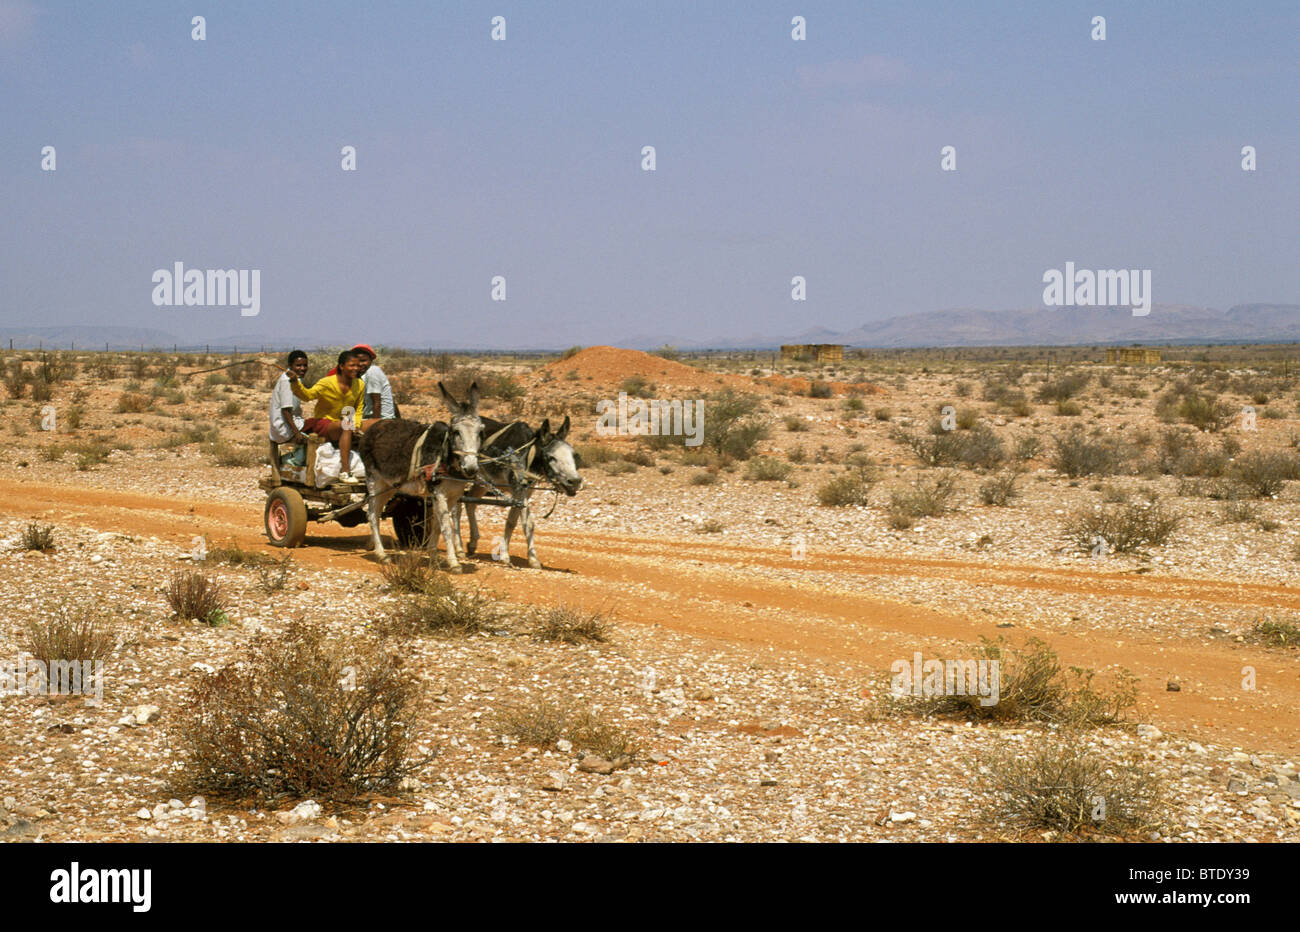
{"type": "Point", "coordinates": [707, 653]}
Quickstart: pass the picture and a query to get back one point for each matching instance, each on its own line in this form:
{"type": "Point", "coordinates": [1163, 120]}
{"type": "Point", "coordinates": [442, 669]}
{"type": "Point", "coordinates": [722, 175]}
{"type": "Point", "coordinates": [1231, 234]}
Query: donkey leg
{"type": "Point", "coordinates": [528, 536]}
{"type": "Point", "coordinates": [471, 512]}
{"type": "Point", "coordinates": [512, 518]}
{"type": "Point", "coordinates": [453, 499]}
{"type": "Point", "coordinates": [376, 500]}
{"type": "Point", "coordinates": [442, 522]}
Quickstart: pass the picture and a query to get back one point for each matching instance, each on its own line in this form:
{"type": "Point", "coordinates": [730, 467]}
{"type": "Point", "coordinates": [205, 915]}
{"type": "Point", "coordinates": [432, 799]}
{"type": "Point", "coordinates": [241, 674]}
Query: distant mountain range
{"type": "Point", "coordinates": [1167, 323]}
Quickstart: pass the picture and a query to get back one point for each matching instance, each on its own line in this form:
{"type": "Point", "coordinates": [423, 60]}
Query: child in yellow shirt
{"type": "Point", "coordinates": [338, 398]}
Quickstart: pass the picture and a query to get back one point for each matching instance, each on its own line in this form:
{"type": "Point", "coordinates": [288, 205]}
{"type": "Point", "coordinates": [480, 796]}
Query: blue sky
{"type": "Point", "coordinates": [522, 158]}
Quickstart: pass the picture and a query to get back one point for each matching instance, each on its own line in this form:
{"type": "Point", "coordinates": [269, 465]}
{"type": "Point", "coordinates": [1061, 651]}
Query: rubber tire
{"type": "Point", "coordinates": [290, 506]}
{"type": "Point", "coordinates": [407, 515]}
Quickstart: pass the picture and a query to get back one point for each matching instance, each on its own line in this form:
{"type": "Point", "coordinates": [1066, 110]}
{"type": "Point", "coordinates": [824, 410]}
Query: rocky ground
{"type": "Point", "coordinates": [752, 673]}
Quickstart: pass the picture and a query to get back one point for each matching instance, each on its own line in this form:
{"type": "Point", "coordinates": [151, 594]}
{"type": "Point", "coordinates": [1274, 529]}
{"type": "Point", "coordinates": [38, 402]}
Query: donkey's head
{"type": "Point", "coordinates": [559, 461]}
{"type": "Point", "coordinates": [464, 430]}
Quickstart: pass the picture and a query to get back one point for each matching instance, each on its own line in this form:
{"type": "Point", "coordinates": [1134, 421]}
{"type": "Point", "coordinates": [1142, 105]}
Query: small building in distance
{"type": "Point", "coordinates": [1132, 356]}
{"type": "Point", "coordinates": [817, 352]}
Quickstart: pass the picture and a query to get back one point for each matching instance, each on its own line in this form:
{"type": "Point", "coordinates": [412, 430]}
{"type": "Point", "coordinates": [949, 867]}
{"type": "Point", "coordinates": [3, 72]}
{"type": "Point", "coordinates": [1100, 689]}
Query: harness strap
{"type": "Point", "coordinates": [428, 469]}
{"type": "Point", "coordinates": [497, 436]}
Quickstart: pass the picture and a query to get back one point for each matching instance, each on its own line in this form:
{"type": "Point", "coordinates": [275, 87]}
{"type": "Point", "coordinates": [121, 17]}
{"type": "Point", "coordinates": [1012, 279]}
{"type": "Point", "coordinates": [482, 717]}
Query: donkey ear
{"type": "Point", "coordinates": [452, 404]}
{"type": "Point", "coordinates": [473, 396]}
{"type": "Point", "coordinates": [545, 428]}
{"type": "Point", "coordinates": [564, 429]}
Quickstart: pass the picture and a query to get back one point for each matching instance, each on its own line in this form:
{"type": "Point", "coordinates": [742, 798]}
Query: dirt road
{"type": "Point", "coordinates": [727, 593]}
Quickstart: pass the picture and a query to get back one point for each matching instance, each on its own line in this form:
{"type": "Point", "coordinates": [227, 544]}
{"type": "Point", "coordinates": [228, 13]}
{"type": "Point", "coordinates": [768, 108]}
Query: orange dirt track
{"type": "Point", "coordinates": [704, 589]}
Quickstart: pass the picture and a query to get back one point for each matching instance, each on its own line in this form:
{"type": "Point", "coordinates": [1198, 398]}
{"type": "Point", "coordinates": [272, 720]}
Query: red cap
{"type": "Point", "coordinates": [365, 349]}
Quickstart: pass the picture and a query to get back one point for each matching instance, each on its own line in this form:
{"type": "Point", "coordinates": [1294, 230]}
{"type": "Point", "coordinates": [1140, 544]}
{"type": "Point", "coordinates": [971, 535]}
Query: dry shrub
{"type": "Point", "coordinates": [37, 537]}
{"type": "Point", "coordinates": [1032, 687]}
{"type": "Point", "coordinates": [300, 716]}
{"type": "Point", "coordinates": [544, 723]}
{"type": "Point", "coordinates": [1236, 511]}
{"type": "Point", "coordinates": [228, 454]}
{"type": "Point", "coordinates": [231, 554]}
{"type": "Point", "coordinates": [192, 595]}
{"type": "Point", "coordinates": [1000, 489]}
{"type": "Point", "coordinates": [1179, 453]}
{"type": "Point", "coordinates": [926, 498]}
{"type": "Point", "coordinates": [444, 609]}
{"type": "Point", "coordinates": [1124, 528]}
{"type": "Point", "coordinates": [1056, 781]}
{"type": "Point", "coordinates": [594, 454]}
{"type": "Point", "coordinates": [767, 469]}
{"type": "Point", "coordinates": [1264, 475]}
{"type": "Point", "coordinates": [1275, 633]}
{"type": "Point", "coordinates": [1063, 388]}
{"type": "Point", "coordinates": [273, 577]}
{"type": "Point", "coordinates": [853, 488]}
{"type": "Point", "coordinates": [570, 625]}
{"type": "Point", "coordinates": [71, 634]}
{"type": "Point", "coordinates": [133, 403]}
{"type": "Point", "coordinates": [639, 457]}
{"type": "Point", "coordinates": [414, 572]}
{"type": "Point", "coordinates": [1079, 455]}
{"type": "Point", "coordinates": [977, 447]}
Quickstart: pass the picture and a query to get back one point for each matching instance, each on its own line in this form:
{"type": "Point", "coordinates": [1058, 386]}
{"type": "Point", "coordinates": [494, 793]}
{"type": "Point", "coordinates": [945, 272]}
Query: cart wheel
{"type": "Point", "coordinates": [408, 523]}
{"type": "Point", "coordinates": [286, 517]}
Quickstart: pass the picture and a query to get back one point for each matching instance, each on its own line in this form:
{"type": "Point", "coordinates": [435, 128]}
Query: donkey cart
{"type": "Point", "coordinates": [293, 500]}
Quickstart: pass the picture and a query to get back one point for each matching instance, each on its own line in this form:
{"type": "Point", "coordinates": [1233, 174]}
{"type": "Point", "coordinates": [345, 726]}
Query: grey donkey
{"type": "Point", "coordinates": [538, 455]}
{"type": "Point", "coordinates": [438, 460]}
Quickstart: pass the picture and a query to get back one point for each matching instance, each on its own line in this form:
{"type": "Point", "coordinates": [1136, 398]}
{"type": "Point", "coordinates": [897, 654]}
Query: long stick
{"type": "Point", "coordinates": [231, 365]}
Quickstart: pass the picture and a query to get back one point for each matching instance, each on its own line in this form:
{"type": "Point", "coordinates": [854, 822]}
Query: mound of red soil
{"type": "Point", "coordinates": [609, 367]}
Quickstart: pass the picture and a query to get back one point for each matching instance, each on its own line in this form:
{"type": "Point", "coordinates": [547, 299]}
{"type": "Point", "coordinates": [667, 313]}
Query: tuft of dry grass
{"type": "Point", "coordinates": [414, 572]}
{"type": "Point", "coordinates": [1275, 633]}
{"type": "Point", "coordinates": [231, 554]}
{"type": "Point", "coordinates": [69, 634]}
{"type": "Point", "coordinates": [37, 537]}
{"type": "Point", "coordinates": [444, 609]}
{"type": "Point", "coordinates": [570, 625]}
{"type": "Point", "coordinates": [1033, 687]}
{"type": "Point", "coordinates": [195, 596]}
{"type": "Point", "coordinates": [1057, 782]}
{"type": "Point", "coordinates": [133, 403]}
{"type": "Point", "coordinates": [544, 723]}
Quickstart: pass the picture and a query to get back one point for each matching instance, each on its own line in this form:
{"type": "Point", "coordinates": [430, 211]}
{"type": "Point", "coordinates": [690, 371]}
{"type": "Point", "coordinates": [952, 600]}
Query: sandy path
{"type": "Point", "coordinates": [706, 589]}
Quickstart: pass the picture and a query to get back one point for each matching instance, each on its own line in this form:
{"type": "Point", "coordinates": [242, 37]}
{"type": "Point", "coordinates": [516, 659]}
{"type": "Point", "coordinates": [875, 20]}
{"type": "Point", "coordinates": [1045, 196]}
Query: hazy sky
{"type": "Point", "coordinates": [522, 158]}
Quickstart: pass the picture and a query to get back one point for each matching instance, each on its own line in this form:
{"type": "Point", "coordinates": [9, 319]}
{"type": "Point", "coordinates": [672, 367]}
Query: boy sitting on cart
{"type": "Point", "coordinates": [286, 409]}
